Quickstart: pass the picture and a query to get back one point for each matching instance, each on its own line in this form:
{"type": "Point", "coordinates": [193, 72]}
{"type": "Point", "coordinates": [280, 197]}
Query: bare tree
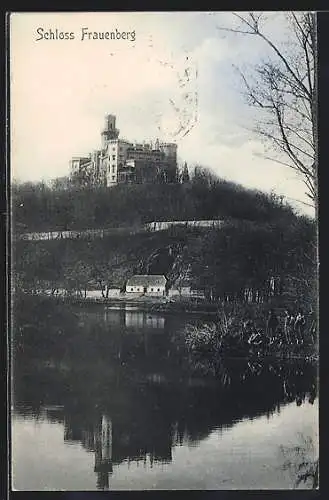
{"type": "Point", "coordinates": [283, 88]}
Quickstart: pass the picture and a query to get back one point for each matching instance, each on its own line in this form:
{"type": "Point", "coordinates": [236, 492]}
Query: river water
{"type": "Point", "coordinates": [104, 400]}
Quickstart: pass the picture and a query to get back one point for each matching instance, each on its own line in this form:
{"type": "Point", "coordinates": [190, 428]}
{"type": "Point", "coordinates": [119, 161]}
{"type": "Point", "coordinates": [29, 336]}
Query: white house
{"type": "Point", "coordinates": [153, 285]}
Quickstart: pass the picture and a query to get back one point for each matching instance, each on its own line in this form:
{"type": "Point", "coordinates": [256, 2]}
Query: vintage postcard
{"type": "Point", "coordinates": [164, 251]}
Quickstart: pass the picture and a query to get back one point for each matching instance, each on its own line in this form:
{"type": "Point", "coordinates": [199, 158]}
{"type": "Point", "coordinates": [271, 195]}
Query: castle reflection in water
{"type": "Point", "coordinates": [127, 397]}
{"type": "Point", "coordinates": [99, 441]}
{"type": "Point", "coordinates": [143, 423]}
{"type": "Point", "coordinates": [112, 443]}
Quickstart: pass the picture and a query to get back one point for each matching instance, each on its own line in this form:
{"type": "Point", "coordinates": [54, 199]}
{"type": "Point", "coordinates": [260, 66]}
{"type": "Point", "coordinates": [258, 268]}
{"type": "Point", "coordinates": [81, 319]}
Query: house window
{"type": "Point", "coordinates": [113, 169]}
{"type": "Point", "coordinates": [113, 157]}
{"type": "Point", "coordinates": [158, 289]}
{"type": "Point", "coordinates": [113, 148]}
{"type": "Point", "coordinates": [151, 289]}
{"type": "Point", "coordinates": [131, 289]}
{"type": "Point", "coordinates": [137, 289]}
{"type": "Point", "coordinates": [113, 177]}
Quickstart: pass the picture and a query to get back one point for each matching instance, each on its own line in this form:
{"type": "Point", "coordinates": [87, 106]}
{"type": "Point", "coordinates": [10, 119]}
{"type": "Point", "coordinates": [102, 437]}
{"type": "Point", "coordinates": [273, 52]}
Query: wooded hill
{"type": "Point", "coordinates": [37, 207]}
{"type": "Point", "coordinates": [261, 238]}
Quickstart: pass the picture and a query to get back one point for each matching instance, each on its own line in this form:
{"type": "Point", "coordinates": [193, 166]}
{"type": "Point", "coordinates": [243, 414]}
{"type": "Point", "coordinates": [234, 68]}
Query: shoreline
{"type": "Point", "coordinates": [150, 305]}
{"type": "Point", "coordinates": [281, 351]}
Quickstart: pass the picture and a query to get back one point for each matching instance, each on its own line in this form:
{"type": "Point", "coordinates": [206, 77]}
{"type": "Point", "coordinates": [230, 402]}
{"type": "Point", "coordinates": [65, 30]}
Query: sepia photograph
{"type": "Point", "coordinates": [164, 249]}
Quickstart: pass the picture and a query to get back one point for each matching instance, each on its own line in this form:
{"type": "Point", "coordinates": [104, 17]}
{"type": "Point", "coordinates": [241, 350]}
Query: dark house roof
{"type": "Point", "coordinates": [147, 280]}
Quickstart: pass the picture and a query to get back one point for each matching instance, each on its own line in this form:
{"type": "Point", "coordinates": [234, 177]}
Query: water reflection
{"type": "Point", "coordinates": [113, 443]}
{"type": "Point", "coordinates": [143, 422]}
{"type": "Point", "coordinates": [143, 320]}
{"type": "Point", "coordinates": [126, 317]}
{"type": "Point", "coordinates": [128, 398]}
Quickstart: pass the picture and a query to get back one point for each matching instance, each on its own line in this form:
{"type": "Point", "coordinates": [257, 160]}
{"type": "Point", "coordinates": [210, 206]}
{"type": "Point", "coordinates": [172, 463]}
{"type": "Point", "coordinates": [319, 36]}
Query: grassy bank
{"type": "Point", "coordinates": [244, 332]}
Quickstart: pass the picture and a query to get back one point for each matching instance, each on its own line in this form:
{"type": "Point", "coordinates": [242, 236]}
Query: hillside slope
{"type": "Point", "coordinates": [40, 208]}
{"type": "Point", "coordinates": [224, 262]}
{"type": "Point", "coordinates": [261, 238]}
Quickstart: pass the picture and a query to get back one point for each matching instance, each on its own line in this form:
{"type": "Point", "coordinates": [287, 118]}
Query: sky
{"type": "Point", "coordinates": [172, 79]}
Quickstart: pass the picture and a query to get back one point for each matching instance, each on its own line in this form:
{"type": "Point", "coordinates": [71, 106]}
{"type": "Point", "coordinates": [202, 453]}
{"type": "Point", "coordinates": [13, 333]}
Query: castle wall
{"type": "Point", "coordinates": [121, 161]}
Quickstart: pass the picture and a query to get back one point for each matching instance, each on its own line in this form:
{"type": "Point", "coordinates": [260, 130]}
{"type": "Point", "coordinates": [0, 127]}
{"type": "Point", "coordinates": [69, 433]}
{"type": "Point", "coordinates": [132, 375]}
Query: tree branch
{"type": "Point", "coordinates": [284, 89]}
{"type": "Point", "coordinates": [256, 31]}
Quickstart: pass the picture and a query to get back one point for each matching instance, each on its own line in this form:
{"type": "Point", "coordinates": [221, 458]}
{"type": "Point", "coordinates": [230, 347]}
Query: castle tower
{"type": "Point", "coordinates": [109, 132]}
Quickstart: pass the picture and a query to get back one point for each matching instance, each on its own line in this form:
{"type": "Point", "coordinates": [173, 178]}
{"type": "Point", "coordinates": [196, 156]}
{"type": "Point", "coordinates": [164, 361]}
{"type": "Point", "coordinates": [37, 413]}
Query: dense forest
{"type": "Point", "coordinates": [225, 261]}
{"type": "Point", "coordinates": [263, 248]}
{"type": "Point", "coordinates": [39, 207]}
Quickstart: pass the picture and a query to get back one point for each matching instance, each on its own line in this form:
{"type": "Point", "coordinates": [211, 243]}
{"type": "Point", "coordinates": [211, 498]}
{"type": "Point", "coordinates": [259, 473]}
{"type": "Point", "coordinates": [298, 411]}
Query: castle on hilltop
{"type": "Point", "coordinates": [123, 162]}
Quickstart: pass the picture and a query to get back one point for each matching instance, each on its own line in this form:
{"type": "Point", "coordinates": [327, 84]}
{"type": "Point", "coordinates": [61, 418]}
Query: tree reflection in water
{"type": "Point", "coordinates": [131, 397]}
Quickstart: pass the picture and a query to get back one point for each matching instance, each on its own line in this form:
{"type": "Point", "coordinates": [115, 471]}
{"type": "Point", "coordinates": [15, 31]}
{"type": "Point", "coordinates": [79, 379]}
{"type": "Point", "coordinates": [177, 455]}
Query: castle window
{"type": "Point", "coordinates": [151, 289]}
{"type": "Point", "coordinates": [131, 289]}
{"type": "Point", "coordinates": [158, 289]}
